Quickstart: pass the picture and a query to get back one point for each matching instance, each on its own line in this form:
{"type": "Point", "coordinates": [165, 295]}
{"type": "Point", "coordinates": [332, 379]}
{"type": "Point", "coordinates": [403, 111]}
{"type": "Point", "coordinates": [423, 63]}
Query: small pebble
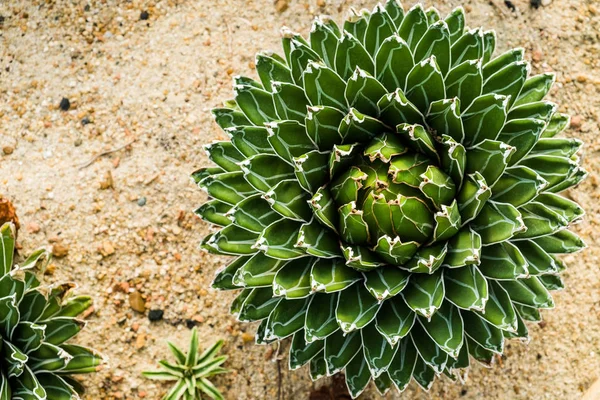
{"type": "Point", "coordinates": [136, 302]}
{"type": "Point", "coordinates": [78, 142]}
{"type": "Point", "coordinates": [576, 121]}
{"type": "Point", "coordinates": [60, 250]}
{"type": "Point", "coordinates": [535, 3]}
{"type": "Point", "coordinates": [144, 15]}
{"type": "Point", "coordinates": [155, 315]}
{"type": "Point", "coordinates": [65, 104]}
{"type": "Point", "coordinates": [8, 149]}
{"type": "Point", "coordinates": [141, 201]}
{"type": "Point", "coordinates": [281, 6]}
{"type": "Point", "coordinates": [85, 121]}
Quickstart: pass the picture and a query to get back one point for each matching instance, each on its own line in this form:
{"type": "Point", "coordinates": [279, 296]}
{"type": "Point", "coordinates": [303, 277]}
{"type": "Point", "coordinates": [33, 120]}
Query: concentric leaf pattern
{"type": "Point", "coordinates": [390, 189]}
{"type": "Point", "coordinates": [35, 324]}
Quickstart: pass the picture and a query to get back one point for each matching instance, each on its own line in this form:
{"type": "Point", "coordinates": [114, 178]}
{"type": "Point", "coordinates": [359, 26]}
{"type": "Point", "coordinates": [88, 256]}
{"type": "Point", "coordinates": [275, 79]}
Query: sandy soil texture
{"type": "Point", "coordinates": [122, 224]}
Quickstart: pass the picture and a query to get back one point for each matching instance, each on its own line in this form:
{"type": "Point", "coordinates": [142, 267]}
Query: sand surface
{"type": "Point", "coordinates": [151, 83]}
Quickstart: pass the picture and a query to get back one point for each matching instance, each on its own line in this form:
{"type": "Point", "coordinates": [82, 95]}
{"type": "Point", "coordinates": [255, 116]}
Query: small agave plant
{"type": "Point", "coordinates": [390, 191]}
{"type": "Point", "coordinates": [36, 321]}
{"type": "Point", "coordinates": [191, 371]}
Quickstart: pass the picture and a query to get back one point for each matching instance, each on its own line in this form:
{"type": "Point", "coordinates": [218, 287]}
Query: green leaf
{"type": "Point", "coordinates": [508, 81]}
{"type": "Point", "coordinates": [289, 139]}
{"type": "Point", "coordinates": [290, 200]}
{"type": "Point", "coordinates": [358, 375]}
{"type": "Point", "coordinates": [565, 208]}
{"type": "Point", "coordinates": [253, 213]}
{"type": "Point", "coordinates": [463, 249]}
{"type": "Point", "coordinates": [223, 278]}
{"type": "Point", "coordinates": [425, 292]}
{"type": "Point", "coordinates": [502, 61]}
{"type": "Point", "coordinates": [480, 354]}
{"type": "Point", "coordinates": [342, 157]}
{"type": "Point", "coordinates": [393, 62]}
{"type": "Point", "coordinates": [287, 318]}
{"type": "Point", "coordinates": [536, 88]}
{"type": "Point", "coordinates": [537, 110]}
{"type": "Point", "coordinates": [350, 54]}
{"type": "Point", "coordinates": [84, 360]}
{"type": "Point", "coordinates": [465, 82]}
{"type": "Point", "coordinates": [456, 23]}
{"type": "Point", "coordinates": [302, 352]}
{"type": "Point", "coordinates": [444, 117]}
{"type": "Point", "coordinates": [467, 47]}
{"type": "Point", "coordinates": [214, 212]}
{"type": "Point", "coordinates": [395, 11]}
{"type": "Point", "coordinates": [540, 220]}
{"type": "Point", "coordinates": [332, 275]}
{"type": "Point", "coordinates": [436, 41]}
{"type": "Point", "coordinates": [445, 327]}
{"type": "Point", "coordinates": [225, 155]}
{"type": "Point", "coordinates": [438, 187]}
{"type": "Point", "coordinates": [517, 186]}
{"type": "Point", "coordinates": [256, 271]}
{"type": "Point", "coordinates": [346, 186]}
{"type": "Point", "coordinates": [447, 222]}
{"type": "Point", "coordinates": [9, 315]}
{"type": "Point", "coordinates": [384, 148]}
{"type": "Point", "coordinates": [320, 317]}
{"type": "Point", "coordinates": [7, 248]}
{"type": "Point", "coordinates": [394, 251]}
{"type": "Point", "coordinates": [498, 309]}
{"type": "Point", "coordinates": [428, 259]}
{"type": "Point", "coordinates": [293, 280]}
{"type": "Point", "coordinates": [318, 366]}
{"type": "Point", "coordinates": [290, 101]}
{"type": "Point", "coordinates": [489, 158]}
{"type": "Point", "coordinates": [278, 240]}
{"type": "Point", "coordinates": [498, 222]}
{"type": "Point", "coordinates": [522, 134]}
{"type": "Point", "coordinates": [453, 158]}
{"type": "Point", "coordinates": [340, 348]}
{"type": "Point", "coordinates": [466, 288]}
{"type": "Point", "coordinates": [60, 329]}
{"type": "Point", "coordinates": [385, 282]}
{"type": "Point", "coordinates": [429, 351]}
{"type": "Point", "coordinates": [352, 227]}
{"type": "Point", "coordinates": [413, 26]}
{"type": "Point", "coordinates": [258, 305]}
{"type": "Point", "coordinates": [256, 104]}
{"type": "Point", "coordinates": [271, 70]}
{"type": "Point", "coordinates": [380, 27]}
{"type": "Point", "coordinates": [322, 126]}
{"type": "Point", "coordinates": [324, 36]}
{"type": "Point", "coordinates": [418, 138]}
{"type": "Point", "coordinates": [563, 241]}
{"type": "Point", "coordinates": [378, 353]}
{"type": "Point", "coordinates": [473, 195]}
{"type": "Point", "coordinates": [395, 109]}
{"type": "Point", "coordinates": [489, 45]}
{"type": "Point", "coordinates": [226, 117]}
{"type": "Point", "coordinates": [383, 383]}
{"type": "Point", "coordinates": [233, 240]}
{"type": "Point", "coordinates": [357, 22]}
{"type": "Point", "coordinates": [363, 92]}
{"type": "Point", "coordinates": [358, 127]}
{"type": "Point", "coordinates": [356, 308]}
{"type": "Point", "coordinates": [250, 140]}
{"type": "Point", "coordinates": [557, 147]}
{"type": "Point", "coordinates": [264, 171]}
{"type": "Point", "coordinates": [503, 261]}
{"type": "Point", "coordinates": [528, 292]}
{"type": "Point", "coordinates": [557, 124]}
{"type": "Point", "coordinates": [300, 55]}
{"type": "Point", "coordinates": [324, 87]}
{"type": "Point", "coordinates": [402, 366]}
{"type": "Point", "coordinates": [318, 241]}
{"type": "Point", "coordinates": [28, 387]}
{"type": "Point", "coordinates": [230, 187]}
{"type": "Point", "coordinates": [394, 319]}
{"type": "Point", "coordinates": [551, 282]}
{"type": "Point", "coordinates": [484, 118]}
{"type": "Point", "coordinates": [425, 83]}
{"type": "Point", "coordinates": [483, 333]}
{"type": "Point", "coordinates": [324, 208]}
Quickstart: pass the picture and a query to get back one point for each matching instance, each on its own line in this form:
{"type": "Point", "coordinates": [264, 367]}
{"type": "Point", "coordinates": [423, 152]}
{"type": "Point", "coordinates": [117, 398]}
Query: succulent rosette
{"type": "Point", "coordinates": [390, 191]}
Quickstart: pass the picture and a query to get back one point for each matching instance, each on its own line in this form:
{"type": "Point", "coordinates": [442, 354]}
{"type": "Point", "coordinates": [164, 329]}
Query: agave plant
{"type": "Point", "coordinates": [36, 321]}
{"type": "Point", "coordinates": [390, 191]}
{"type": "Point", "coordinates": [191, 371]}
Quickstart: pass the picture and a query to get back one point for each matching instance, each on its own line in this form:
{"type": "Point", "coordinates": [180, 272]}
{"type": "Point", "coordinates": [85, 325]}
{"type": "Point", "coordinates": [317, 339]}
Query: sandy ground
{"type": "Point", "coordinates": [151, 83]}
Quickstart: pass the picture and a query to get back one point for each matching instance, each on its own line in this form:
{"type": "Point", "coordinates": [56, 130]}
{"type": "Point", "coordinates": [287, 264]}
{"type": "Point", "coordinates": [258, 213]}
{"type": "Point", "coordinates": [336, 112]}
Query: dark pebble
{"type": "Point", "coordinates": [86, 121]}
{"type": "Point", "coordinates": [535, 3]}
{"type": "Point", "coordinates": [144, 15]}
{"type": "Point", "coordinates": [155, 315]}
{"type": "Point", "coordinates": [190, 323]}
{"type": "Point", "coordinates": [65, 104]}
{"type": "Point", "coordinates": [509, 4]}
{"type": "Point", "coordinates": [86, 8]}
{"type": "Point", "coordinates": [141, 201]}
{"type": "Point", "coordinates": [463, 392]}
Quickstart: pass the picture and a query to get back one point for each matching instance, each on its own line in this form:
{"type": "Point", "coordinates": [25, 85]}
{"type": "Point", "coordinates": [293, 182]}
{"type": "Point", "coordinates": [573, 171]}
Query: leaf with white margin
{"type": "Point", "coordinates": [429, 351]}
{"type": "Point", "coordinates": [413, 26]}
{"type": "Point", "coordinates": [528, 292]}
{"type": "Point", "coordinates": [467, 47]}
{"type": "Point", "coordinates": [363, 92]}
{"type": "Point", "coordinates": [318, 241]}
{"type": "Point", "coordinates": [472, 197]}
{"type": "Point", "coordinates": [424, 293]}
{"type": "Point", "coordinates": [278, 240]}
{"type": "Point", "coordinates": [322, 126]}
{"type": "Point", "coordinates": [233, 240]}
{"type": "Point", "coordinates": [258, 305]}
{"type": "Point", "coordinates": [428, 258]}
{"type": "Point", "coordinates": [393, 62]}
{"type": "Point", "coordinates": [396, 109]}
{"type": "Point", "coordinates": [379, 28]}
{"type": "Point", "coordinates": [324, 87]}
{"type": "Point", "coordinates": [257, 271]}
{"type": "Point", "coordinates": [360, 258]}
{"type": "Point", "coordinates": [447, 222]}
{"type": "Point", "coordinates": [425, 84]}
{"type": "Point", "coordinates": [445, 328]}
{"type": "Point", "coordinates": [302, 352]}
{"type": "Point", "coordinates": [324, 36]}
{"type": "Point", "coordinates": [518, 186]}
{"type": "Point", "coordinates": [270, 70]}
{"type": "Point", "coordinates": [356, 308]}
{"type": "Point", "coordinates": [456, 23]}
{"type": "Point", "coordinates": [483, 333]}
{"type": "Point", "coordinates": [463, 249]}
{"type": "Point", "coordinates": [289, 139]}
{"type": "Point", "coordinates": [504, 261]}
{"type": "Point", "coordinates": [538, 261]}
{"type": "Point", "coordinates": [436, 40]}
{"type": "Point", "coordinates": [318, 366]}
{"type": "Point", "coordinates": [332, 275]}
{"type": "Point", "coordinates": [324, 208]}
{"type": "Point", "coordinates": [293, 280]}
{"type": "Point", "coordinates": [489, 158]}
{"type": "Point", "coordinates": [264, 171]}
{"type": "Point", "coordinates": [498, 309]}
{"type": "Point", "coordinates": [377, 351]}
{"type": "Point", "coordinates": [320, 317]}
{"type": "Point", "coordinates": [497, 222]}
{"type": "Point", "coordinates": [290, 200]}
{"type": "Point", "coordinates": [522, 134]}
{"type": "Point", "coordinates": [508, 81]}
{"type": "Point", "coordinates": [340, 348]}
{"type": "Point", "coordinates": [286, 318]}
{"type": "Point", "coordinates": [394, 319]}
{"type": "Point", "coordinates": [225, 155]}
{"type": "Point", "coordinates": [350, 54]}
{"type": "Point", "coordinates": [453, 157]}
{"type": "Point", "coordinates": [465, 82]}
{"type": "Point", "coordinates": [443, 116]}
{"type": "Point", "coordinates": [230, 187]}
{"type": "Point", "coordinates": [224, 277]}
{"type": "Point", "coordinates": [563, 241]}
{"type": "Point", "coordinates": [484, 118]}
{"type": "Point", "coordinates": [290, 101]}
{"type": "Point", "coordinates": [385, 282]}
{"type": "Point", "coordinates": [358, 375]}
{"type": "Point", "coordinates": [558, 123]}
{"type": "Point", "coordinates": [536, 88]}
{"type": "Point", "coordinates": [466, 288]}
{"type": "Point", "coordinates": [250, 140]}
{"type": "Point", "coordinates": [540, 220]}
{"type": "Point", "coordinates": [402, 366]}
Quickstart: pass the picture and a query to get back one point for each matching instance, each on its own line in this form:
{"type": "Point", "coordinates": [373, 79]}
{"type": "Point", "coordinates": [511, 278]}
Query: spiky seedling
{"type": "Point", "coordinates": [191, 371]}
{"type": "Point", "coordinates": [391, 192]}
{"type": "Point", "coordinates": [36, 321]}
